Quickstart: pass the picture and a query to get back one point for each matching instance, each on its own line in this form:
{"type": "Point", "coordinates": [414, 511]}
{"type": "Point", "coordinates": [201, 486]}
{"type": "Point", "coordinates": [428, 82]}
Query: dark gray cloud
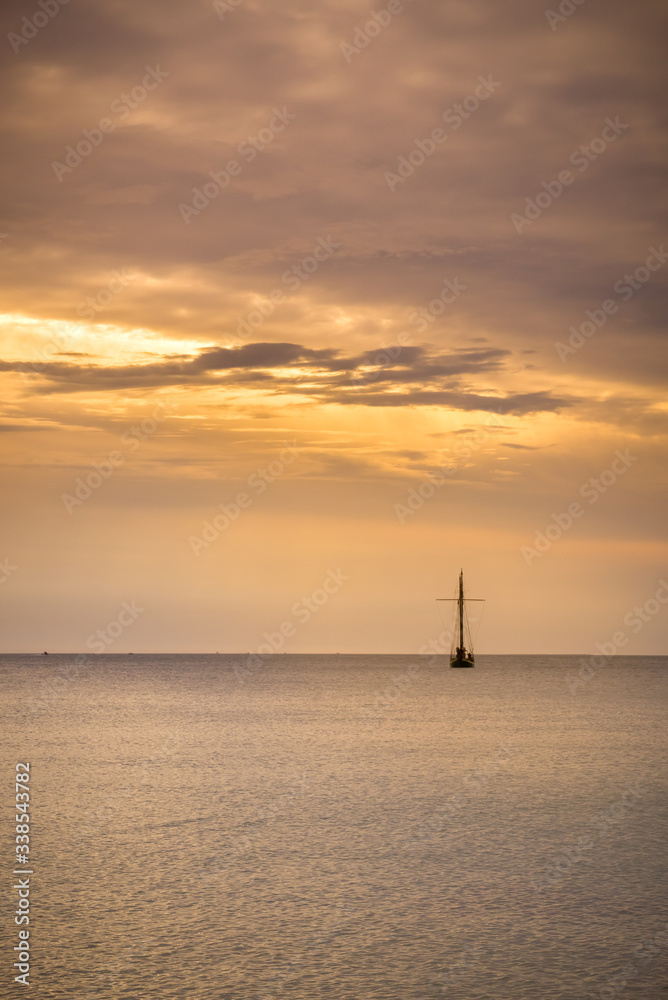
{"type": "Point", "coordinates": [325, 172]}
{"type": "Point", "coordinates": [260, 356]}
{"type": "Point", "coordinates": [19, 428]}
{"type": "Point", "coordinates": [415, 376]}
{"type": "Point", "coordinates": [511, 403]}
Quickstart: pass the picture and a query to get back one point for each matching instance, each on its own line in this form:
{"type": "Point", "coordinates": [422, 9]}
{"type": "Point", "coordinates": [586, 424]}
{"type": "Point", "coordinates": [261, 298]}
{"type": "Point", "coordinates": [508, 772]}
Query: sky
{"type": "Point", "coordinates": [306, 306]}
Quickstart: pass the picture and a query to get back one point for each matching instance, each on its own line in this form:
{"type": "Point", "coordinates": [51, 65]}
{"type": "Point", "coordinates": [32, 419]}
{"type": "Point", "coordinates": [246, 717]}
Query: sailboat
{"type": "Point", "coordinates": [461, 654]}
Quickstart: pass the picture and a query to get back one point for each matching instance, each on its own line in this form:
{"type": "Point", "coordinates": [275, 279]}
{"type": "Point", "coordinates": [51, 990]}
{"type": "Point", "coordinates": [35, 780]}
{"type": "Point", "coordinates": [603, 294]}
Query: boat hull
{"type": "Point", "coordinates": [467, 662]}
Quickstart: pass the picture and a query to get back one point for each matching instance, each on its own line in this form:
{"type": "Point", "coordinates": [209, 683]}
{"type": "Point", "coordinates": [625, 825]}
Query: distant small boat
{"type": "Point", "coordinates": [461, 654]}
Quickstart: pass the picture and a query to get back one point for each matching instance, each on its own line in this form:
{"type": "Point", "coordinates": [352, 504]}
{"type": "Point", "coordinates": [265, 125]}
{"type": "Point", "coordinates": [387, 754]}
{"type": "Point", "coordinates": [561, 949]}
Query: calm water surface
{"type": "Point", "coordinates": [342, 827]}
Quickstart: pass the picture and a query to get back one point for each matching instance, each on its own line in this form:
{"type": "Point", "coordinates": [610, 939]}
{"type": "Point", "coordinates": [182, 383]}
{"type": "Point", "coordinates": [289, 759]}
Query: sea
{"type": "Point", "coordinates": [228, 827]}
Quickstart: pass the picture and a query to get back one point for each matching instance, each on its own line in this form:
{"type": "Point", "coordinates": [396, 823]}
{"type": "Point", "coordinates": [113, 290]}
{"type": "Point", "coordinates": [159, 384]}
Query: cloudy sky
{"type": "Point", "coordinates": [298, 292]}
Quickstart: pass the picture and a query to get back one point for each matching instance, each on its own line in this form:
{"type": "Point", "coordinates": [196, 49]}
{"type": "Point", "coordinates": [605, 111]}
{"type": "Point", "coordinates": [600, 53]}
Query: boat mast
{"type": "Point", "coordinates": [461, 609]}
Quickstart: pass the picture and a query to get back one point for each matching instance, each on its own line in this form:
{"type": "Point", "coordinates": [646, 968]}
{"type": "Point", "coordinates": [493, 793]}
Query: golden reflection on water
{"type": "Point", "coordinates": [327, 830]}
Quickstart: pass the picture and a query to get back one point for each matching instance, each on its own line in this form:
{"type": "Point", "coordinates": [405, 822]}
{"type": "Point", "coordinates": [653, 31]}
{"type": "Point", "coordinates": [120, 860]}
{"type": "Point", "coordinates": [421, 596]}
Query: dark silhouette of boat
{"type": "Point", "coordinates": [461, 654]}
